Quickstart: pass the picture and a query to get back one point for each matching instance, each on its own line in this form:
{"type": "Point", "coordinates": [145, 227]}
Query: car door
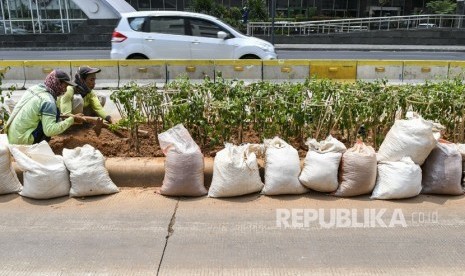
{"type": "Point", "coordinates": [167, 38]}
{"type": "Point", "coordinates": [205, 42]}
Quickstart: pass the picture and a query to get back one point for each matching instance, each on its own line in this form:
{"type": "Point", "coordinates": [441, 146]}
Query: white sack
{"type": "Point", "coordinates": [4, 140]}
{"type": "Point", "coordinates": [235, 172]}
{"type": "Point", "coordinates": [184, 164]}
{"type": "Point", "coordinates": [442, 171]}
{"type": "Point", "coordinates": [330, 144]}
{"type": "Point", "coordinates": [408, 138]}
{"type": "Point", "coordinates": [9, 182]}
{"type": "Point", "coordinates": [44, 173]}
{"type": "Point", "coordinates": [282, 168]}
{"type": "Point", "coordinates": [88, 174]}
{"type": "Point", "coordinates": [461, 149]}
{"type": "Point", "coordinates": [357, 172]}
{"type": "Point", "coordinates": [396, 180]}
{"type": "Point", "coordinates": [463, 175]}
{"type": "Point", "coordinates": [321, 164]}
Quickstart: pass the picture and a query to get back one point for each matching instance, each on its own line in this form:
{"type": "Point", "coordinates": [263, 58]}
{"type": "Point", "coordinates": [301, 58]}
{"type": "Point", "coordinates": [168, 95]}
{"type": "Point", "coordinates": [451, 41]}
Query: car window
{"type": "Point", "coordinates": [167, 25]}
{"type": "Point", "coordinates": [136, 23]}
{"type": "Point", "coordinates": [204, 28]}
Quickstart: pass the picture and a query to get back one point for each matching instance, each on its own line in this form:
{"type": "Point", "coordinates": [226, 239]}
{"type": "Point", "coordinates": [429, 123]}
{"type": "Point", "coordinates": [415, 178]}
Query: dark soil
{"type": "Point", "coordinates": [109, 143]}
{"type": "Point", "coordinates": [115, 145]}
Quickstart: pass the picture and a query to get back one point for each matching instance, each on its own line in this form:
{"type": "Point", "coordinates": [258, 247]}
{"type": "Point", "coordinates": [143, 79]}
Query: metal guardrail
{"type": "Point", "coordinates": [306, 28]}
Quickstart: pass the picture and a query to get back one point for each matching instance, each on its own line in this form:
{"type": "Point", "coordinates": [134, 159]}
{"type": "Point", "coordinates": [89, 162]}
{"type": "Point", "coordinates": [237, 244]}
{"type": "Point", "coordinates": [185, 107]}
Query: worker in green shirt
{"type": "Point", "coordinates": [35, 117]}
{"type": "Point", "coordinates": [81, 98]}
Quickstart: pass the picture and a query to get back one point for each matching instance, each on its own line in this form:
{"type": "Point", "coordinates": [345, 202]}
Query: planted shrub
{"type": "Point", "coordinates": [222, 111]}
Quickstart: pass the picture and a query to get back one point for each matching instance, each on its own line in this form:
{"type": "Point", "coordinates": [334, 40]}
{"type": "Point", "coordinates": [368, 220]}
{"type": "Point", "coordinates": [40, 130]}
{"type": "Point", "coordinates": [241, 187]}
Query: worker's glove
{"type": "Point", "coordinates": [108, 119]}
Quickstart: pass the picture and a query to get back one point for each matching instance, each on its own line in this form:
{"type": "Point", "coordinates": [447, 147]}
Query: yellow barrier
{"type": "Point", "coordinates": [248, 70]}
{"type": "Point", "coordinates": [341, 70]}
{"type": "Point", "coordinates": [457, 70]}
{"type": "Point", "coordinates": [194, 70]}
{"type": "Point", "coordinates": [420, 71]}
{"type": "Point", "coordinates": [37, 70]}
{"type": "Point", "coordinates": [142, 72]}
{"type": "Point", "coordinates": [371, 70]}
{"type": "Point", "coordinates": [107, 78]}
{"type": "Point", "coordinates": [117, 73]}
{"type": "Point", "coordinates": [13, 74]}
{"type": "Point", "coordinates": [286, 70]}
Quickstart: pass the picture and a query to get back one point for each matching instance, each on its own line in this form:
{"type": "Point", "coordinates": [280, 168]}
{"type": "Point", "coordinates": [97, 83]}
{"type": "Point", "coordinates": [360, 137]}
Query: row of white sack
{"type": "Point", "coordinates": [79, 172]}
{"type": "Point", "coordinates": [406, 146]}
{"type": "Point", "coordinates": [392, 173]}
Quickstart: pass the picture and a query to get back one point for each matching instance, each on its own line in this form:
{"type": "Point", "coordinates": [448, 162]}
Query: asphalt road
{"type": "Point", "coordinates": [138, 232]}
{"type": "Point", "coordinates": [282, 54]}
{"type": "Point", "coordinates": [372, 54]}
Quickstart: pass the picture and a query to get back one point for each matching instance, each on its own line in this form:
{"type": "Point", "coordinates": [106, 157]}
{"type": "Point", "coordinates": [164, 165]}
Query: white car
{"type": "Point", "coordinates": [426, 26]}
{"type": "Point", "coordinates": [183, 35]}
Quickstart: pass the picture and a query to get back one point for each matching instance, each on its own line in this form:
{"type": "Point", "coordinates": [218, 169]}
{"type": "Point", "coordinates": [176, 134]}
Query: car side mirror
{"type": "Point", "coordinates": [222, 35]}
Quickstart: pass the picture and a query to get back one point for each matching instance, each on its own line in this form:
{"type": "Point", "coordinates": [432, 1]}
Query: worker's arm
{"type": "Point", "coordinates": [66, 101]}
{"type": "Point", "coordinates": [94, 103]}
{"type": "Point", "coordinates": [49, 122]}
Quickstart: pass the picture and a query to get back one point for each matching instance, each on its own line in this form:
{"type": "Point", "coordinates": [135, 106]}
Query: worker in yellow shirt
{"type": "Point", "coordinates": [81, 98]}
{"type": "Point", "coordinates": [35, 117]}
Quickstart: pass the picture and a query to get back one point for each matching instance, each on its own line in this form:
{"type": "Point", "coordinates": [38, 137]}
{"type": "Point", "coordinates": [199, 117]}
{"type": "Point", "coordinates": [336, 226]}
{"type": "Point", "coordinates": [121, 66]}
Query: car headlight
{"type": "Point", "coordinates": [267, 47]}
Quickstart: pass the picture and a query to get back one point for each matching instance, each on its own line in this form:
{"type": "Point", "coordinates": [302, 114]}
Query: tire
{"type": "Point", "coordinates": [250, 57]}
{"type": "Point", "coordinates": [137, 56]}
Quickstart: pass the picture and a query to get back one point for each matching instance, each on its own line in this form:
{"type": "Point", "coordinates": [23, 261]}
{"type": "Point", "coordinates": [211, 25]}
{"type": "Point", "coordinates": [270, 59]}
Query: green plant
{"type": "Point", "coordinates": [219, 11]}
{"type": "Point", "coordinates": [221, 111]}
{"type": "Point", "coordinates": [127, 101]}
{"type": "Point", "coordinates": [202, 6]}
{"type": "Point", "coordinates": [1, 93]}
{"type": "Point", "coordinates": [311, 12]}
{"type": "Point", "coordinates": [258, 11]}
{"type": "Point", "coordinates": [4, 115]}
{"type": "Point", "coordinates": [233, 17]}
{"type": "Point", "coordinates": [441, 6]}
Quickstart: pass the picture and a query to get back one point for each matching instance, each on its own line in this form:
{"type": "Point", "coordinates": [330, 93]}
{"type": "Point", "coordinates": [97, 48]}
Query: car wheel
{"type": "Point", "coordinates": [137, 56]}
{"type": "Point", "coordinates": [249, 57]}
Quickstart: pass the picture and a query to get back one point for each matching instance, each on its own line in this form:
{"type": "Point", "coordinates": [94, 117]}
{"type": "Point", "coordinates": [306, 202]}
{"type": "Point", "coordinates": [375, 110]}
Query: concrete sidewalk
{"type": "Point", "coordinates": [138, 232]}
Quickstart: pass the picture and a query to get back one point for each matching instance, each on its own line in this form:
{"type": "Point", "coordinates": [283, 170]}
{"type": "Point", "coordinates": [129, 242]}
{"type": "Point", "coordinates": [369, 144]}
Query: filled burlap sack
{"type": "Point", "coordinates": [282, 168]}
{"type": "Point", "coordinates": [442, 171]}
{"type": "Point", "coordinates": [408, 138]}
{"type": "Point", "coordinates": [88, 174]}
{"type": "Point", "coordinates": [9, 182]}
{"type": "Point", "coordinates": [321, 164]}
{"type": "Point", "coordinates": [461, 149]}
{"type": "Point", "coordinates": [235, 172]}
{"type": "Point", "coordinates": [184, 164]}
{"type": "Point", "coordinates": [44, 173]}
{"type": "Point", "coordinates": [398, 179]}
{"type": "Point", "coordinates": [357, 172]}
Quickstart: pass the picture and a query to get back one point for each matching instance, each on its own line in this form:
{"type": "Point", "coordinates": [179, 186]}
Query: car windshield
{"type": "Point", "coordinates": [235, 29]}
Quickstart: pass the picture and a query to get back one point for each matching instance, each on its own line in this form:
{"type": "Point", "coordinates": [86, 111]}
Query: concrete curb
{"type": "Point", "coordinates": [140, 171]}
{"type": "Point", "coordinates": [145, 171]}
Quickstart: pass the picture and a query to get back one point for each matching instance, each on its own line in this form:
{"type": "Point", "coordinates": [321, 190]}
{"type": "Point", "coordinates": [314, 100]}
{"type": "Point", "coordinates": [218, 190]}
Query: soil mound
{"type": "Point", "coordinates": [109, 143]}
{"type": "Point", "coordinates": [112, 144]}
